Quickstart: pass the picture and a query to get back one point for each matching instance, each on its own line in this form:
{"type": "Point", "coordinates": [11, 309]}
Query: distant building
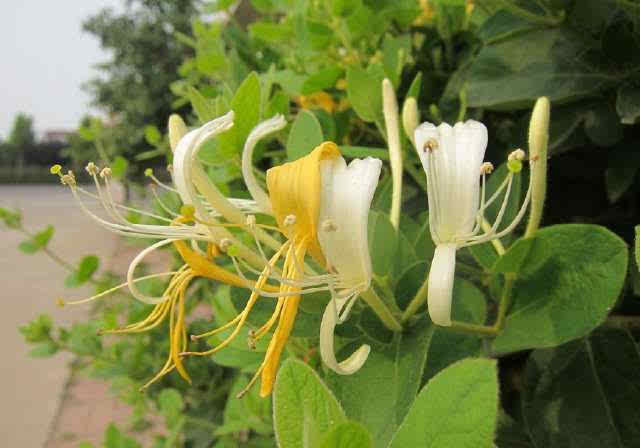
{"type": "Point", "coordinates": [56, 136]}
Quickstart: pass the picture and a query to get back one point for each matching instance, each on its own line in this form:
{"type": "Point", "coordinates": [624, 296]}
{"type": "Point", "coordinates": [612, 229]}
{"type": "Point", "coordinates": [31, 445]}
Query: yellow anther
{"type": "Point", "coordinates": [91, 168]}
{"type": "Point", "coordinates": [289, 220]}
{"type": "Point", "coordinates": [55, 169]}
{"type": "Point", "coordinates": [106, 172]}
{"type": "Point", "coordinates": [486, 168]}
{"type": "Point", "coordinates": [430, 145]}
{"type": "Point", "coordinates": [68, 179]}
{"type": "Point", "coordinates": [329, 226]}
{"type": "Point", "coordinates": [148, 172]}
{"type": "Point", "coordinates": [61, 303]}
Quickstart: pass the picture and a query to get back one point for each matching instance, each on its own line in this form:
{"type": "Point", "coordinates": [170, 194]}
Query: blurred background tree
{"type": "Point", "coordinates": [133, 87]}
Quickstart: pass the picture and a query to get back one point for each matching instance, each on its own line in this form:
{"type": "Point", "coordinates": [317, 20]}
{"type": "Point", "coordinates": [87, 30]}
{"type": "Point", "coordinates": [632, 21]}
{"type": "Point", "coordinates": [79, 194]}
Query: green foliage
{"type": "Point", "coordinates": [571, 293]}
{"type": "Point", "coordinates": [305, 135]}
{"type": "Point", "coordinates": [304, 409]}
{"type": "Point", "coordinates": [35, 243]}
{"type": "Point", "coordinates": [458, 407]}
{"type": "Point", "coordinates": [583, 393]}
{"type": "Point", "coordinates": [83, 273]}
{"type": "Point", "coordinates": [546, 302]}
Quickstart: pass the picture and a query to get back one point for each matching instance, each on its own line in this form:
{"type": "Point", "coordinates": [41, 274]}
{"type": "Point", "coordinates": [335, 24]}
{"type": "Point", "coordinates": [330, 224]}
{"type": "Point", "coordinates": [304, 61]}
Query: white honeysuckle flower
{"type": "Point", "coordinates": [452, 158]}
{"type": "Point", "coordinates": [347, 192]}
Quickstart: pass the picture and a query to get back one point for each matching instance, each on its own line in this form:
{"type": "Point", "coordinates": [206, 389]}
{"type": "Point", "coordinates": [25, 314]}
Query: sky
{"type": "Point", "coordinates": [46, 57]}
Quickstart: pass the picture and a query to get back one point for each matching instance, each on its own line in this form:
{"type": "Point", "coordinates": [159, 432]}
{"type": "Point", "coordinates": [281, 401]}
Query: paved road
{"type": "Point", "coordinates": [29, 284]}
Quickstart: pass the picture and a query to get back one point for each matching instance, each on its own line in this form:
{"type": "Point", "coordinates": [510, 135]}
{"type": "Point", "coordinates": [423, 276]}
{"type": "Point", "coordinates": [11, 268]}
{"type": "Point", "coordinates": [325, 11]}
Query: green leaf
{"type": "Point", "coordinates": [12, 220]}
{"type": "Point", "coordinates": [348, 435]}
{"type": "Point", "coordinates": [381, 392]}
{"type": "Point", "coordinates": [304, 409]}
{"type": "Point", "coordinates": [204, 108]}
{"type": "Point", "coordinates": [469, 305]}
{"type": "Point", "coordinates": [523, 257]}
{"type": "Point", "coordinates": [171, 405]}
{"type": "Point", "coordinates": [514, 72]}
{"type": "Point", "coordinates": [363, 151]}
{"type": "Point", "coordinates": [152, 135]}
{"type": "Point", "coordinates": [44, 350]}
{"type": "Point", "coordinates": [415, 87]}
{"type": "Point", "coordinates": [252, 412]}
{"type": "Point", "coordinates": [344, 7]}
{"type": "Point", "coordinates": [383, 242]}
{"type": "Point", "coordinates": [457, 408]}
{"type": "Point", "coordinates": [324, 79]}
{"type": "Point", "coordinates": [119, 167]}
{"type": "Point", "coordinates": [628, 103]}
{"type": "Point", "coordinates": [623, 166]}
{"type": "Point", "coordinates": [364, 90]}
{"type": "Point", "coordinates": [395, 52]}
{"type": "Point", "coordinates": [571, 293]}
{"type": "Point", "coordinates": [602, 125]}
{"type": "Point", "coordinates": [37, 242]}
{"type": "Point", "coordinates": [584, 393]}
{"type": "Point", "coordinates": [246, 106]}
{"type": "Point", "coordinates": [425, 247]}
{"type": "Point", "coordinates": [274, 33]}
{"type": "Point", "coordinates": [113, 438]}
{"type": "Point", "coordinates": [305, 135]}
{"type": "Point", "coordinates": [87, 267]}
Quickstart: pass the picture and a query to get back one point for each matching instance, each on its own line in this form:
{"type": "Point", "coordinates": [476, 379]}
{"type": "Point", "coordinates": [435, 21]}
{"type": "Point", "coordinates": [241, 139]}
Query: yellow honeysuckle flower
{"type": "Point", "coordinates": [320, 206]}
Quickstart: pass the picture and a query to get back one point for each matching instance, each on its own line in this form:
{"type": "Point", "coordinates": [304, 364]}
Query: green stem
{"type": "Point", "coordinates": [465, 327]}
{"type": "Point", "coordinates": [505, 301]}
{"type": "Point", "coordinates": [381, 310]}
{"type": "Point", "coordinates": [419, 300]}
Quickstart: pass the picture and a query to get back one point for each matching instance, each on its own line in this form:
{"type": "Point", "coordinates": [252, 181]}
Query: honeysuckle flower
{"type": "Point", "coordinates": [453, 157]}
{"type": "Point", "coordinates": [320, 205]}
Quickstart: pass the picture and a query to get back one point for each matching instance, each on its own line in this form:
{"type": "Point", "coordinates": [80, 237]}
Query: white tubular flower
{"type": "Point", "coordinates": [345, 200]}
{"type": "Point", "coordinates": [452, 157]}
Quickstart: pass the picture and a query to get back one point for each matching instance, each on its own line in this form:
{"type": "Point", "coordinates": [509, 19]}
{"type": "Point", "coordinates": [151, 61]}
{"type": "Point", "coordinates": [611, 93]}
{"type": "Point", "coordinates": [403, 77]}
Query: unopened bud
{"type": "Point", "coordinates": [410, 117]}
{"type": "Point", "coordinates": [177, 130]}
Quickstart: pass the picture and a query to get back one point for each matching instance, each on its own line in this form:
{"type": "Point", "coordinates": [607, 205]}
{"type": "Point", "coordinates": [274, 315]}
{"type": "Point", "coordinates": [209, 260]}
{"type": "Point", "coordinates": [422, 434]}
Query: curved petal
{"type": "Point", "coordinates": [261, 130]}
{"type": "Point", "coordinates": [347, 192]}
{"type": "Point", "coordinates": [440, 290]}
{"type": "Point", "coordinates": [329, 320]}
{"type": "Point", "coordinates": [183, 159]}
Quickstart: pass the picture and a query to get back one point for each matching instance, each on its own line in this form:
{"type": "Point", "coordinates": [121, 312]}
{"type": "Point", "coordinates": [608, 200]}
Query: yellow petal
{"type": "Point", "coordinates": [294, 189]}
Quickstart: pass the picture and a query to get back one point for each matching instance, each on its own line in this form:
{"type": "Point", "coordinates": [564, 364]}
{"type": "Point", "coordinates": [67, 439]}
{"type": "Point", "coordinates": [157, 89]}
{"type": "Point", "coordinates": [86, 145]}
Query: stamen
{"type": "Point", "coordinates": [329, 226]}
{"type": "Point", "coordinates": [289, 220]}
{"type": "Point", "coordinates": [486, 168]}
{"type": "Point", "coordinates": [430, 145]}
{"type": "Point", "coordinates": [106, 172]}
{"type": "Point", "coordinates": [91, 168]}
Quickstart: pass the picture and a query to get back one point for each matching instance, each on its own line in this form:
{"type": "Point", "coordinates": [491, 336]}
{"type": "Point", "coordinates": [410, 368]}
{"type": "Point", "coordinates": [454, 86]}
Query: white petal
{"type": "Point", "coordinates": [184, 157]}
{"type": "Point", "coordinates": [345, 201]}
{"type": "Point", "coordinates": [261, 130]}
{"type": "Point", "coordinates": [453, 166]}
{"type": "Point", "coordinates": [440, 291]}
{"type": "Point", "coordinates": [329, 319]}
